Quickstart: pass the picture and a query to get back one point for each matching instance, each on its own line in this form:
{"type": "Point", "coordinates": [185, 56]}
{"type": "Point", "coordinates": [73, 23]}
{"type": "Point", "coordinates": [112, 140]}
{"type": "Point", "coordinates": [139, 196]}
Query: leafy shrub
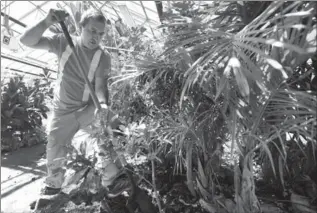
{"type": "Point", "coordinates": [223, 76]}
{"type": "Point", "coordinates": [22, 109]}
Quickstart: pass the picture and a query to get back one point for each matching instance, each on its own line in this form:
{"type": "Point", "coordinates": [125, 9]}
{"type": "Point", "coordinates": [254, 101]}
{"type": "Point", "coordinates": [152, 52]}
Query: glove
{"type": "Point", "coordinates": [54, 16]}
{"type": "Point", "coordinates": [118, 127]}
{"type": "Point", "coordinates": [108, 118]}
{"type": "Point", "coordinates": [102, 114]}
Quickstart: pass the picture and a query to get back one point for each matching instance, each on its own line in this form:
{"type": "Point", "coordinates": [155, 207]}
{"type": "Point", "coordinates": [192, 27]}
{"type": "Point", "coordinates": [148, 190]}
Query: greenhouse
{"type": "Point", "coordinates": [159, 106]}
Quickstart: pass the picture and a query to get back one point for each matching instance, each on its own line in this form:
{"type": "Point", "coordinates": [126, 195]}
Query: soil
{"type": "Point", "coordinates": [22, 174]}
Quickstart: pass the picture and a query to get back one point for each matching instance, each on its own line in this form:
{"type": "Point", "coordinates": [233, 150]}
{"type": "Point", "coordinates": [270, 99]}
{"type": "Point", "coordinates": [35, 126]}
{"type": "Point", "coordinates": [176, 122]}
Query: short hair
{"type": "Point", "coordinates": [91, 14]}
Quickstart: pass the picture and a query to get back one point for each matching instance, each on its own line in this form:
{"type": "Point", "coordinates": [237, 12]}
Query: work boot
{"type": "Point", "coordinates": [120, 184]}
{"type": "Point", "coordinates": [50, 191]}
{"type": "Point", "coordinates": [46, 196]}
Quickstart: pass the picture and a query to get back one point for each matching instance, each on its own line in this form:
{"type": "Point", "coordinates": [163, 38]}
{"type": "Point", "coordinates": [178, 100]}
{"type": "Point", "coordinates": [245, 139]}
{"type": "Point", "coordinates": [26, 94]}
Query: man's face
{"type": "Point", "coordinates": [92, 33]}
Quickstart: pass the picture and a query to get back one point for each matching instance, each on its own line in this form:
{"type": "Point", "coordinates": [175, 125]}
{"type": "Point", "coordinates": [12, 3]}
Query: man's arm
{"type": "Point", "coordinates": [102, 92]}
{"type": "Point", "coordinates": [101, 80]}
{"type": "Point", "coordinates": [101, 89]}
{"type": "Point", "coordinates": [33, 37]}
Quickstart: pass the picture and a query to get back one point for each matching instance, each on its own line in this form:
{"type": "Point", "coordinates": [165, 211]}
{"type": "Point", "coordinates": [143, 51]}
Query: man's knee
{"type": "Point", "coordinates": [51, 140]}
{"type": "Point", "coordinates": [55, 180]}
{"type": "Point", "coordinates": [56, 151]}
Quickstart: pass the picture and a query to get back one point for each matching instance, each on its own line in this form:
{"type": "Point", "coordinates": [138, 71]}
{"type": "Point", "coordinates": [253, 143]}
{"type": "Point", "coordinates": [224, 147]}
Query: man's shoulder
{"type": "Point", "coordinates": [105, 58]}
{"type": "Point", "coordinates": [105, 52]}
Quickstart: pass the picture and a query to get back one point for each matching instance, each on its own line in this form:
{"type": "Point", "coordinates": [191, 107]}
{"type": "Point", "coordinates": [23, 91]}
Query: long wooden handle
{"type": "Point", "coordinates": [71, 44]}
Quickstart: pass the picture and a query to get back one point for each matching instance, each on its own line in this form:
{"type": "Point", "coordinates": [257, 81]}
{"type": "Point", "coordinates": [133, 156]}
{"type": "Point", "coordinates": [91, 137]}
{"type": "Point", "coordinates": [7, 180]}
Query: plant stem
{"type": "Point", "coordinates": [154, 187]}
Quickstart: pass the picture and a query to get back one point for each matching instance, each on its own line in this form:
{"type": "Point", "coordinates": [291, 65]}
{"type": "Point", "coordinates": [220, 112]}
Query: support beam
{"type": "Point", "coordinates": [36, 60]}
{"type": "Point", "coordinates": [27, 52]}
{"type": "Point", "coordinates": [116, 12]}
{"type": "Point", "coordinates": [30, 12]}
{"type": "Point", "coordinates": [127, 17]}
{"type": "Point", "coordinates": [24, 62]}
{"type": "Point", "coordinates": [147, 18]}
{"type": "Point", "coordinates": [149, 9]}
{"type": "Point", "coordinates": [112, 4]}
{"type": "Point", "coordinates": [13, 30]}
{"type": "Point", "coordinates": [14, 20]}
{"type": "Point", "coordinates": [159, 8]}
{"type": "Point", "coordinates": [95, 6]}
{"type": "Point", "coordinates": [39, 7]}
{"type": "Point", "coordinates": [139, 16]}
{"type": "Point", "coordinates": [3, 9]}
{"type": "Point", "coordinates": [110, 12]}
{"type": "Point", "coordinates": [29, 73]}
{"type": "Point", "coordinates": [103, 4]}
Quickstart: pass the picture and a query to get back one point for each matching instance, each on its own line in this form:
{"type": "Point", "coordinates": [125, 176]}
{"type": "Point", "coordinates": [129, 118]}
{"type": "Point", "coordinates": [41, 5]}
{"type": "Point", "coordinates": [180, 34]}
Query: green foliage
{"type": "Point", "coordinates": [236, 72]}
{"type": "Point", "coordinates": [240, 66]}
{"type": "Point", "coordinates": [22, 109]}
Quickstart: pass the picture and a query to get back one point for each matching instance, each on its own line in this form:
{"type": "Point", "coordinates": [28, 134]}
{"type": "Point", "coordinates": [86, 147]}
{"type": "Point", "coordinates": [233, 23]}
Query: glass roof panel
{"type": "Point", "coordinates": [19, 8]}
{"type": "Point", "coordinates": [29, 18]}
{"type": "Point", "coordinates": [5, 62]}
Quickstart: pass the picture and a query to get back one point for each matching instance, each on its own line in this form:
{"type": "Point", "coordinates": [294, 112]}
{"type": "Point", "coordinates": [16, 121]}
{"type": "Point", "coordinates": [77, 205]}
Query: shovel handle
{"type": "Point", "coordinates": [65, 31]}
{"type": "Point", "coordinates": [71, 44]}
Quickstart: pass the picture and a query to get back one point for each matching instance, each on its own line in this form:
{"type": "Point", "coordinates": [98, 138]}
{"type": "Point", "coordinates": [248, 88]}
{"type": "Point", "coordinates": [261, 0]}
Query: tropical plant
{"type": "Point", "coordinates": [237, 73]}
{"type": "Point", "coordinates": [242, 60]}
{"type": "Point", "coordinates": [22, 109]}
{"type": "Point", "coordinates": [261, 56]}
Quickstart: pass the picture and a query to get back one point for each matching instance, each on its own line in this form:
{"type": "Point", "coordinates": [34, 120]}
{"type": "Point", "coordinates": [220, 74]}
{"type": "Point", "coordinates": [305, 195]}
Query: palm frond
{"type": "Point", "coordinates": [256, 39]}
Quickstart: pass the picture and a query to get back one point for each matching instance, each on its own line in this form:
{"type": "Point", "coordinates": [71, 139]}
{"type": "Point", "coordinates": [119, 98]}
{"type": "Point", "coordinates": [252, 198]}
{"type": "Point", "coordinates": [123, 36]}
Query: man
{"type": "Point", "coordinates": [73, 107]}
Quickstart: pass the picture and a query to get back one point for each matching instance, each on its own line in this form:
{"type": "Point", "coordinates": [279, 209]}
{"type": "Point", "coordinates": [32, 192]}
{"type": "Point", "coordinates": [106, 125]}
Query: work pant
{"type": "Point", "coordinates": [61, 131]}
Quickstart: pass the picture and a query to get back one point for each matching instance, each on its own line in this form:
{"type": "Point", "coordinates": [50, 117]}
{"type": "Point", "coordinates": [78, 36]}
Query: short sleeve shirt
{"type": "Point", "coordinates": [70, 84]}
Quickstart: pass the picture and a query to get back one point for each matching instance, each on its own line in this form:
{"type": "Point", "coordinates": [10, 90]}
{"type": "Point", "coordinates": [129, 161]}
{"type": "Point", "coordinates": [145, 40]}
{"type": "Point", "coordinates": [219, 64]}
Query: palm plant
{"type": "Point", "coordinates": [229, 65]}
{"type": "Point", "coordinates": [243, 63]}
